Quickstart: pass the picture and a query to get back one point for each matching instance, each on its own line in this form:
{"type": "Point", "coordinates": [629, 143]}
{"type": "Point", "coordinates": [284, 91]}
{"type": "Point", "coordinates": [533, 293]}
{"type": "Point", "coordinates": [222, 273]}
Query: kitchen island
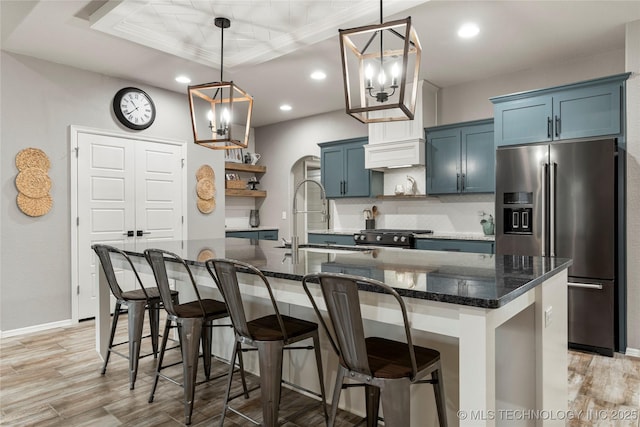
{"type": "Point", "coordinates": [500, 322]}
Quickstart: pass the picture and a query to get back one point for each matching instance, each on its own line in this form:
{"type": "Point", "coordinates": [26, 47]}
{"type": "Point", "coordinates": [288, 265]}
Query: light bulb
{"type": "Point", "coordinates": [210, 115]}
{"type": "Point", "coordinates": [368, 73]}
{"type": "Point", "coordinates": [226, 117]}
{"type": "Point", "coordinates": [395, 72]}
{"type": "Point", "coordinates": [382, 78]}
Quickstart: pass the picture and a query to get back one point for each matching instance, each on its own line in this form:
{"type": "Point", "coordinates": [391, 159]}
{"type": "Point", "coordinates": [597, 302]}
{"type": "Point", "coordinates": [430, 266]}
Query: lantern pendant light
{"type": "Point", "coordinates": [220, 111]}
{"type": "Point", "coordinates": [381, 85]}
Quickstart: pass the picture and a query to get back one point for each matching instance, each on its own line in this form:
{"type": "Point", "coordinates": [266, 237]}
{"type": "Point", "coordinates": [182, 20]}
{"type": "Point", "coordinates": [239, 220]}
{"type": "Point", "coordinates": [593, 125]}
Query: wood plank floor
{"type": "Point", "coordinates": [52, 378]}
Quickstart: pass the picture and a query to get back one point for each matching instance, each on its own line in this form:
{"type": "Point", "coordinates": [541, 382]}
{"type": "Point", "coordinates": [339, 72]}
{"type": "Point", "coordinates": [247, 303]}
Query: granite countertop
{"type": "Point", "coordinates": [478, 280]}
{"type": "Point", "coordinates": [452, 235]}
{"type": "Point", "coordinates": [261, 228]}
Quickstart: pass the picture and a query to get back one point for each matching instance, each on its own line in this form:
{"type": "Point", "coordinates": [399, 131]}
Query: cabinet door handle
{"type": "Point", "coordinates": [457, 182]}
{"type": "Point", "coordinates": [341, 187]}
{"type": "Point", "coordinates": [585, 285]}
{"type": "Point", "coordinates": [139, 233]}
{"type": "Point", "coordinates": [345, 187]}
{"type": "Point", "coordinates": [462, 182]}
{"type": "Point", "coordinates": [129, 233]}
{"type": "Point", "coordinates": [557, 126]}
{"type": "Point", "coordinates": [548, 127]}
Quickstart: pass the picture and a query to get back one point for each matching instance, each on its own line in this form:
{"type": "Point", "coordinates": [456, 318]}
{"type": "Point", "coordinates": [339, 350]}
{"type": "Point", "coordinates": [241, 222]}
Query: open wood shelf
{"type": "Point", "coordinates": [244, 193]}
{"type": "Point", "coordinates": [243, 167]}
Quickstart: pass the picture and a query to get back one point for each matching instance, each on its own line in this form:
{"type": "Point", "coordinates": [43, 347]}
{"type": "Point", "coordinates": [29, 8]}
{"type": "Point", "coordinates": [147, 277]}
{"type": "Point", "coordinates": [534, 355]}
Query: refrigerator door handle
{"type": "Point", "coordinates": [585, 285]}
{"type": "Point", "coordinates": [552, 209]}
{"type": "Point", "coordinates": [543, 228]}
{"type": "Point", "coordinates": [549, 127]}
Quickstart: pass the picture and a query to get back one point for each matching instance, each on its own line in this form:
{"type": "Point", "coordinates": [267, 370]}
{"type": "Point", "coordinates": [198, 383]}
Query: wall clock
{"type": "Point", "coordinates": [134, 108]}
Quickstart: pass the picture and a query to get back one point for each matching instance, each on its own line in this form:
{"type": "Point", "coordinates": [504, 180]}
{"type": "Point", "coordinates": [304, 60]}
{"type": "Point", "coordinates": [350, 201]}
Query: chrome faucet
{"type": "Point", "coordinates": [295, 240]}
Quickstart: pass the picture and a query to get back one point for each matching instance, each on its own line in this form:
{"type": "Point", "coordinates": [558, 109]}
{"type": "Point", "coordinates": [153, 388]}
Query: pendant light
{"type": "Point", "coordinates": [380, 67]}
{"type": "Point", "coordinates": [220, 111]}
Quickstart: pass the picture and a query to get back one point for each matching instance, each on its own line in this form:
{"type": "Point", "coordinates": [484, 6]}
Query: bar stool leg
{"type": "Point", "coordinates": [316, 347]}
{"type": "Point", "coordinates": [337, 389]}
{"type": "Point", "coordinates": [154, 325]}
{"type": "Point", "coordinates": [270, 357]}
{"type": "Point", "coordinates": [236, 352]}
{"type": "Point", "coordinates": [372, 403]}
{"type": "Point", "coordinates": [396, 402]}
{"type": "Point", "coordinates": [190, 334]}
{"type": "Point", "coordinates": [136, 322]}
{"type": "Point", "coordinates": [114, 324]}
{"type": "Point", "coordinates": [163, 347]}
{"type": "Point", "coordinates": [241, 365]}
{"type": "Point", "coordinates": [438, 391]}
{"type": "Point", "coordinates": [207, 337]}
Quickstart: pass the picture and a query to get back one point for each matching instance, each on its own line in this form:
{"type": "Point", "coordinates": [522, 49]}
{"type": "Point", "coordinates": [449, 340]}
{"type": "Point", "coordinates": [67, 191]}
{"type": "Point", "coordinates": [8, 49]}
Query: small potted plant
{"type": "Point", "coordinates": [487, 223]}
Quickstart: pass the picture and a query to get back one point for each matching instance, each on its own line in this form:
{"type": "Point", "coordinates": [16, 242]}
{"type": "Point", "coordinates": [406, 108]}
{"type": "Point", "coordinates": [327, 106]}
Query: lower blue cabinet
{"type": "Point", "coordinates": [476, 246]}
{"type": "Point", "coordinates": [257, 234]}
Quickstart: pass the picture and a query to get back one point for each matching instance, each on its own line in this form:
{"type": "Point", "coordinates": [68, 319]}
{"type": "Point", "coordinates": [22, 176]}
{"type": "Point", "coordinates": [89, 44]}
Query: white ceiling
{"type": "Point", "coordinates": [273, 45]}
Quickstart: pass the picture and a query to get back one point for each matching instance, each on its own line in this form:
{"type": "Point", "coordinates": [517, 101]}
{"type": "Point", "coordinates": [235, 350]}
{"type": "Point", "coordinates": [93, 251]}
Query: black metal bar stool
{"type": "Point", "coordinates": [137, 302]}
{"type": "Point", "coordinates": [270, 334]}
{"type": "Point", "coordinates": [194, 322]}
{"type": "Point", "coordinates": [386, 368]}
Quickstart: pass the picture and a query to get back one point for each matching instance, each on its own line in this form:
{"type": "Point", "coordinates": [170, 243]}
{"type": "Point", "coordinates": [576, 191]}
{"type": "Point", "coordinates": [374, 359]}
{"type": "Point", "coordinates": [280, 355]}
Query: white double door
{"type": "Point", "coordinates": [129, 191]}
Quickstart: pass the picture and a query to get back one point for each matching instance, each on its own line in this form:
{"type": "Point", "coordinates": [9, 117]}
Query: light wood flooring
{"type": "Point", "coordinates": [52, 378]}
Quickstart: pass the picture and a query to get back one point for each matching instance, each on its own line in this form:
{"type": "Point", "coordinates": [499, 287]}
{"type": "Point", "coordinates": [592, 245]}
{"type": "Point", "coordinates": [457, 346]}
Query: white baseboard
{"type": "Point", "coordinates": [632, 352]}
{"type": "Point", "coordinates": [36, 328]}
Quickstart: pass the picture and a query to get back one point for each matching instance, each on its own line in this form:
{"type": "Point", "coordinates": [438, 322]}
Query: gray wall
{"type": "Point", "coordinates": [40, 100]}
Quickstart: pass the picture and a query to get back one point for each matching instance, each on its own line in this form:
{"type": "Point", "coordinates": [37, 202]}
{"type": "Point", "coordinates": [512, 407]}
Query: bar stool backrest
{"type": "Point", "coordinates": [157, 258]}
{"type": "Point", "coordinates": [104, 255]}
{"type": "Point", "coordinates": [225, 274]}
{"type": "Point", "coordinates": [347, 336]}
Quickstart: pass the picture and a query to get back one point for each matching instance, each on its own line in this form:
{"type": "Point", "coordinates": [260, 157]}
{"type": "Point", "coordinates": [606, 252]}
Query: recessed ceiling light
{"type": "Point", "coordinates": [285, 107]}
{"type": "Point", "coordinates": [468, 30]}
{"type": "Point", "coordinates": [318, 75]}
{"type": "Point", "coordinates": [183, 79]}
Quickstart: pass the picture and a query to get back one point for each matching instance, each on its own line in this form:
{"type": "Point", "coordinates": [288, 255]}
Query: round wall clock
{"type": "Point", "coordinates": [134, 108]}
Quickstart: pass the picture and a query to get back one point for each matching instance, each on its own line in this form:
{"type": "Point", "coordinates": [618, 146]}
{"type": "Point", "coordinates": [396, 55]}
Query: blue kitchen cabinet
{"type": "Point", "coordinates": [454, 245]}
{"type": "Point", "coordinates": [330, 239]}
{"type": "Point", "coordinates": [461, 158]}
{"type": "Point", "coordinates": [343, 173]}
{"type": "Point", "coordinates": [585, 109]}
{"type": "Point", "coordinates": [254, 234]}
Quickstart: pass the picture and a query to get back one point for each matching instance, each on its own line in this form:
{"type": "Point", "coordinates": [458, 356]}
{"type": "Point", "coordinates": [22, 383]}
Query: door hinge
{"type": "Point", "coordinates": [78, 290]}
{"type": "Point", "coordinates": [76, 150]}
{"type": "Point", "coordinates": [182, 162]}
{"type": "Point", "coordinates": [77, 220]}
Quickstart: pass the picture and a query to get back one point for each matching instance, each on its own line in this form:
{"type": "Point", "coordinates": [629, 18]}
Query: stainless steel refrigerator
{"type": "Point", "coordinates": [559, 199]}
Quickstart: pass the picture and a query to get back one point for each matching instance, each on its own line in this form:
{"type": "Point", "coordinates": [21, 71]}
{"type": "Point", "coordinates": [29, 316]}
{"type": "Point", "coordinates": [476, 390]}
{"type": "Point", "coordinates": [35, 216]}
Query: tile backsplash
{"type": "Point", "coordinates": [451, 214]}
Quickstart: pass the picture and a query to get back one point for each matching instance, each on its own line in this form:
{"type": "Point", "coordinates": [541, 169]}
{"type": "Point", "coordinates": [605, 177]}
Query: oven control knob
{"type": "Point", "coordinates": [395, 238]}
{"type": "Point", "coordinates": [403, 239]}
{"type": "Point", "coordinates": [362, 237]}
{"type": "Point", "coordinates": [378, 238]}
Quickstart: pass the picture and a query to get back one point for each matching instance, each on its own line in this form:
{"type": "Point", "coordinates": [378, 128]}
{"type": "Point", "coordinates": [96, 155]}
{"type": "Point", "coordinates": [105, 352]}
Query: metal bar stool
{"type": "Point", "coordinates": [385, 367]}
{"type": "Point", "coordinates": [137, 302]}
{"type": "Point", "coordinates": [194, 322]}
{"type": "Point", "coordinates": [270, 334]}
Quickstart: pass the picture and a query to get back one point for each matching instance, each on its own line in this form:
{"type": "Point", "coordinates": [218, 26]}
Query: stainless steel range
{"type": "Point", "coordinates": [388, 237]}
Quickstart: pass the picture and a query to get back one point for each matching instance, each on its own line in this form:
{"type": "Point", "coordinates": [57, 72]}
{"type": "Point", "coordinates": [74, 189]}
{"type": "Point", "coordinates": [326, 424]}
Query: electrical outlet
{"type": "Point", "coordinates": [284, 214]}
{"type": "Point", "coordinates": [548, 316]}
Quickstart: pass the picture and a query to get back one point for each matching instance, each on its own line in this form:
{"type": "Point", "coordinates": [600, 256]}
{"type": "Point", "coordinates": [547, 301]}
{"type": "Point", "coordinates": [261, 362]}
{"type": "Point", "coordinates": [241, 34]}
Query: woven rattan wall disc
{"type": "Point", "coordinates": [205, 189]}
{"type": "Point", "coordinates": [206, 254]}
{"type": "Point", "coordinates": [206, 206]}
{"type": "Point", "coordinates": [204, 171]}
{"type": "Point", "coordinates": [33, 182]}
{"type": "Point", "coordinates": [32, 158]}
{"type": "Point", "coordinates": [34, 207]}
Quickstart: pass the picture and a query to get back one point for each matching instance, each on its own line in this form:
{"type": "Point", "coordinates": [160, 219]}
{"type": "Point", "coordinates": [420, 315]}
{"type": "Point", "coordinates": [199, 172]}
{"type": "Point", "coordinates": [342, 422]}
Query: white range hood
{"type": "Point", "coordinates": [401, 143]}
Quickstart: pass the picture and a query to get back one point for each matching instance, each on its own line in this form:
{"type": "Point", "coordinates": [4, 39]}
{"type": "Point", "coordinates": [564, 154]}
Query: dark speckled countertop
{"type": "Point", "coordinates": [478, 280]}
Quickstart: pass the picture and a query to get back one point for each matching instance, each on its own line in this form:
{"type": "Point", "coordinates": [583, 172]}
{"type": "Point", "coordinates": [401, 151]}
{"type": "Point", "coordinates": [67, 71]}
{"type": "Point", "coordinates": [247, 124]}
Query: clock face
{"type": "Point", "coordinates": [134, 108]}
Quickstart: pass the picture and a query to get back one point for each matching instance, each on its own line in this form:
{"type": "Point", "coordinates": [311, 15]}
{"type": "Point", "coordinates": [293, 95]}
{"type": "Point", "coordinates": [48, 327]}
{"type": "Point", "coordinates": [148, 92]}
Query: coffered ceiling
{"type": "Point", "coordinates": [273, 45]}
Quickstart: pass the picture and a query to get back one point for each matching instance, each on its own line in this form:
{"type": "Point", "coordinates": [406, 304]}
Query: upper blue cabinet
{"type": "Point", "coordinates": [343, 172]}
{"type": "Point", "coordinates": [461, 158]}
{"type": "Point", "coordinates": [585, 109]}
